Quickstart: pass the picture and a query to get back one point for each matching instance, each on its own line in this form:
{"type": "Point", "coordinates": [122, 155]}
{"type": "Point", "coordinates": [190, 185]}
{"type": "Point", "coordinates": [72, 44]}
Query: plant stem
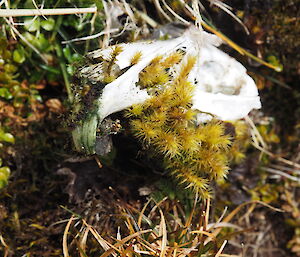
{"type": "Point", "coordinates": [62, 65]}
{"type": "Point", "coordinates": [41, 12]}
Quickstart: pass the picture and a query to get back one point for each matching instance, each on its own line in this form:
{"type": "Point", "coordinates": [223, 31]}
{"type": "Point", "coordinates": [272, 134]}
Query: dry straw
{"type": "Point", "coordinates": [159, 232]}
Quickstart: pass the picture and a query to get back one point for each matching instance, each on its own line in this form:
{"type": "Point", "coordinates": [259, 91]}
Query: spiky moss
{"type": "Point", "coordinates": [156, 72]}
{"type": "Point", "coordinates": [195, 154]}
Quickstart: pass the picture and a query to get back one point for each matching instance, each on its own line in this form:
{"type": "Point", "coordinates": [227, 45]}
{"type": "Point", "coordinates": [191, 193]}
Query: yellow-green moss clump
{"type": "Point", "coordinates": [166, 123]}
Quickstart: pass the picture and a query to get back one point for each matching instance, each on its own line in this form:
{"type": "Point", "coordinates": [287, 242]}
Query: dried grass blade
{"type": "Point", "coordinates": [141, 215]}
{"type": "Point", "coordinates": [124, 240]}
{"type": "Point", "coordinates": [281, 173]}
{"type": "Point", "coordinates": [297, 165]}
{"type": "Point", "coordinates": [223, 214]}
{"type": "Point", "coordinates": [204, 233]}
{"type": "Point", "coordinates": [207, 213]}
{"type": "Point", "coordinates": [90, 37]}
{"type": "Point", "coordinates": [256, 136]}
{"type": "Point", "coordinates": [229, 255]}
{"type": "Point", "coordinates": [6, 251]}
{"type": "Point", "coordinates": [145, 17]}
{"type": "Point", "coordinates": [163, 233]}
{"type": "Point", "coordinates": [196, 13]}
{"type": "Point", "coordinates": [177, 16]}
{"type": "Point", "coordinates": [160, 9]}
{"type": "Point", "coordinates": [284, 168]}
{"type": "Point", "coordinates": [221, 249]}
{"type": "Point", "coordinates": [241, 50]}
{"type": "Point", "coordinates": [177, 220]}
{"type": "Point", "coordinates": [42, 12]}
{"type": "Point", "coordinates": [65, 237]}
{"type": "Point", "coordinates": [226, 8]}
{"type": "Point", "coordinates": [237, 209]}
{"type": "Point", "coordinates": [147, 245]}
{"type": "Point", "coordinates": [129, 12]}
{"type": "Point", "coordinates": [189, 220]}
{"type": "Point", "coordinates": [222, 225]}
{"type": "Point", "coordinates": [157, 205]}
{"type": "Point", "coordinates": [82, 242]}
{"type": "Point", "coordinates": [104, 244]}
{"type": "Point", "coordinates": [129, 225]}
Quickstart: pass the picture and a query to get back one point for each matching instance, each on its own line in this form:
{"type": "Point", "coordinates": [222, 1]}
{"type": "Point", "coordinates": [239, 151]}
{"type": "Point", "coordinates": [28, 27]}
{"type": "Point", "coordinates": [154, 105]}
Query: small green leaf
{"type": "Point", "coordinates": [71, 70]}
{"type": "Point", "coordinates": [50, 69]}
{"type": "Point", "coordinates": [4, 92]}
{"type": "Point", "coordinates": [76, 57]}
{"type": "Point", "coordinates": [4, 175]}
{"type": "Point", "coordinates": [28, 4]}
{"type": "Point", "coordinates": [5, 171]}
{"type": "Point", "coordinates": [67, 53]}
{"type": "Point", "coordinates": [19, 56]}
{"type": "Point", "coordinates": [99, 5]}
{"type": "Point", "coordinates": [10, 68]}
{"type": "Point", "coordinates": [48, 24]}
{"type": "Point", "coordinates": [32, 25]}
{"type": "Point", "coordinates": [6, 55]}
{"type": "Point", "coordinates": [275, 62]}
{"type": "Point", "coordinates": [3, 43]}
{"type": "Point", "coordinates": [52, 77]}
{"type": "Point", "coordinates": [6, 137]}
{"type": "Point", "coordinates": [29, 37]}
{"type": "Point", "coordinates": [38, 98]}
{"type": "Point", "coordinates": [69, 56]}
{"type": "Point", "coordinates": [42, 43]}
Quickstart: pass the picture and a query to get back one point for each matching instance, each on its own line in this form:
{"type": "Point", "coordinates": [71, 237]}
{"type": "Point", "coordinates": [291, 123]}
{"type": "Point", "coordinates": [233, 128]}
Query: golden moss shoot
{"type": "Point", "coordinates": [156, 61]}
{"type": "Point", "coordinates": [109, 78]}
{"type": "Point", "coordinates": [159, 117]}
{"type": "Point", "coordinates": [183, 93]}
{"type": "Point", "coordinates": [195, 154]}
{"type": "Point", "coordinates": [190, 144]}
{"type": "Point", "coordinates": [181, 115]}
{"type": "Point", "coordinates": [152, 76]}
{"type": "Point", "coordinates": [201, 185]}
{"type": "Point", "coordinates": [136, 58]}
{"type": "Point", "coordinates": [186, 68]}
{"type": "Point", "coordinates": [160, 100]}
{"type": "Point", "coordinates": [215, 135]}
{"type": "Point", "coordinates": [144, 131]}
{"type": "Point", "coordinates": [116, 51]}
{"type": "Point", "coordinates": [135, 110]}
{"type": "Point", "coordinates": [172, 60]}
{"type": "Point", "coordinates": [113, 57]}
{"type": "Point", "coordinates": [168, 143]}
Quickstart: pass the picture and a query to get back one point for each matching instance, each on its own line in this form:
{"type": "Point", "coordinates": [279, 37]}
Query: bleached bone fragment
{"type": "Point", "coordinates": [223, 87]}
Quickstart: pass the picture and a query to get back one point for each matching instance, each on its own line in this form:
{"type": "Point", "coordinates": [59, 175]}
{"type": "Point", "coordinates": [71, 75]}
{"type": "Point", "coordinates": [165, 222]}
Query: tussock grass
{"type": "Point", "coordinates": [165, 229]}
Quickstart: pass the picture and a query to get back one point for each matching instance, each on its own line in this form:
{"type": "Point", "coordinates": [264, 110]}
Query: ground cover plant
{"type": "Point", "coordinates": [157, 161]}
